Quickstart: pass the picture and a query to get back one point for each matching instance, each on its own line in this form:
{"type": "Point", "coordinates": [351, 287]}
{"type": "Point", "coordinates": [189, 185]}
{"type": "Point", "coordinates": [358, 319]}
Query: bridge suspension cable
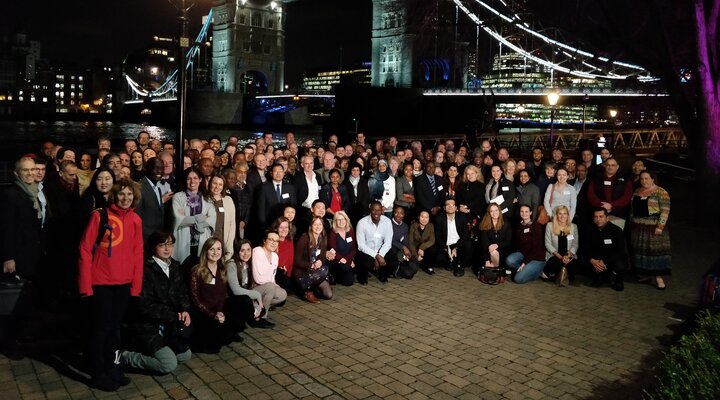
{"type": "Point", "coordinates": [563, 57]}
{"type": "Point", "coordinates": [170, 83]}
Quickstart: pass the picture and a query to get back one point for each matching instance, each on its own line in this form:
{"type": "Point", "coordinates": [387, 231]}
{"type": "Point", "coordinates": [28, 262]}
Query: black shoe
{"type": "Point", "coordinates": [262, 323]}
{"type": "Point", "coordinates": [382, 278]}
{"type": "Point", "coordinates": [104, 383]}
{"type": "Point", "coordinates": [429, 271]}
{"type": "Point", "coordinates": [459, 272]}
{"type": "Point", "coordinates": [618, 286]}
{"type": "Point", "coordinates": [596, 283]}
{"type": "Point", "coordinates": [236, 338]}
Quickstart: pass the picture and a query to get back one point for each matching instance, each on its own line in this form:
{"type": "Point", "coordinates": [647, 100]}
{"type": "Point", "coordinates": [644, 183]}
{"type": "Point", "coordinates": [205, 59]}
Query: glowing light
{"type": "Point", "coordinates": [613, 113]}
{"type": "Point", "coordinates": [553, 98]}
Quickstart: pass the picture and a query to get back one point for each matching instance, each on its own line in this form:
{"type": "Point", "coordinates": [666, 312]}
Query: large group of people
{"type": "Point", "coordinates": [169, 266]}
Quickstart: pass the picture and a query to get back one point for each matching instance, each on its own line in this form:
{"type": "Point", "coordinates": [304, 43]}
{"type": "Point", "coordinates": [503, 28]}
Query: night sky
{"type": "Point", "coordinates": [106, 30]}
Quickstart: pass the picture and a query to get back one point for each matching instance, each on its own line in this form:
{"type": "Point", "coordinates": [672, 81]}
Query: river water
{"type": "Point", "coordinates": [20, 137]}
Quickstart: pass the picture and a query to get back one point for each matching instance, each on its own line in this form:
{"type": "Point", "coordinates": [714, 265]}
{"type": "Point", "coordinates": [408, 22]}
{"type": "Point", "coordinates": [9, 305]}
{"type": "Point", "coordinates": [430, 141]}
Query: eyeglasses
{"type": "Point", "coordinates": [166, 245]}
{"type": "Point", "coordinates": [273, 240]}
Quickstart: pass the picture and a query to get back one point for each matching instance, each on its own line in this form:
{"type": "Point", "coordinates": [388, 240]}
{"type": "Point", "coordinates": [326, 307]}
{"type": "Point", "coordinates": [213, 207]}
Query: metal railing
{"type": "Point", "coordinates": [634, 139]}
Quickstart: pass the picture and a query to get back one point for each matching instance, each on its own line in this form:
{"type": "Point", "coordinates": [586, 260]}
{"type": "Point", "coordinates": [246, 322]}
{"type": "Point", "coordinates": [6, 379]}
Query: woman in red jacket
{"type": "Point", "coordinates": [110, 271]}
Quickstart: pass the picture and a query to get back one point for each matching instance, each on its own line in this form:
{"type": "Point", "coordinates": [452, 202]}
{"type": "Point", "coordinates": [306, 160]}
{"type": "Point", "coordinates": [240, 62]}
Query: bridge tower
{"type": "Point", "coordinates": [415, 43]}
{"type": "Point", "coordinates": [392, 45]}
{"type": "Point", "coordinates": [248, 46]}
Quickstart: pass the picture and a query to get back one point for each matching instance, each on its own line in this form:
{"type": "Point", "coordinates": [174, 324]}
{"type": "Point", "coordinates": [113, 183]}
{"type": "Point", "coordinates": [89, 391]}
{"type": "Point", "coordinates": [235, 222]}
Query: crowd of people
{"type": "Point", "coordinates": [169, 266]}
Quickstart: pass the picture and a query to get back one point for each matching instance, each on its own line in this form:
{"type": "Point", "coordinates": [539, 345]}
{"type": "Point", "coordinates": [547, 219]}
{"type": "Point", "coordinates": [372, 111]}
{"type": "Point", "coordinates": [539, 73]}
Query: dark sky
{"type": "Point", "coordinates": [83, 31]}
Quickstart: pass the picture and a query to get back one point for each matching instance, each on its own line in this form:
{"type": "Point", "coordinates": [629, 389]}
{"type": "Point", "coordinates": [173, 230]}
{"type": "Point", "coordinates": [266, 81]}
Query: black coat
{"type": "Point", "coordinates": [326, 196]}
{"type": "Point", "coordinates": [441, 228]}
{"type": "Point", "coordinates": [20, 232]}
{"type": "Point", "coordinates": [301, 186]}
{"type": "Point", "coordinates": [161, 300]}
{"type": "Point", "coordinates": [358, 203]}
{"type": "Point", "coordinates": [254, 180]}
{"type": "Point", "coordinates": [503, 238]}
{"type": "Point", "coordinates": [149, 209]}
{"type": "Point", "coordinates": [425, 200]}
{"type": "Point", "coordinates": [472, 194]}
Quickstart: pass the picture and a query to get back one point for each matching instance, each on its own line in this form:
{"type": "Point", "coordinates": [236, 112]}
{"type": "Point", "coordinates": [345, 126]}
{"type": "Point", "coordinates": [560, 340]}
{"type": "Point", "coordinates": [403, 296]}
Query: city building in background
{"type": "Point", "coordinates": [327, 80]}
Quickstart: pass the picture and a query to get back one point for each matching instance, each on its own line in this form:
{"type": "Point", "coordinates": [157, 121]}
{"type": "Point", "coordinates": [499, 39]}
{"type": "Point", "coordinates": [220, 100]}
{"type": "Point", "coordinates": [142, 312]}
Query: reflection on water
{"type": "Point", "coordinates": [20, 137]}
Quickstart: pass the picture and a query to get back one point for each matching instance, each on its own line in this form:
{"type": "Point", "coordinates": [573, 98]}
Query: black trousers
{"type": "Point", "coordinates": [615, 270]}
{"type": "Point", "coordinates": [437, 255]}
{"type": "Point", "coordinates": [342, 273]}
{"type": "Point", "coordinates": [364, 264]}
{"type": "Point", "coordinates": [554, 265]}
{"type": "Point", "coordinates": [107, 310]}
{"type": "Point", "coordinates": [210, 335]}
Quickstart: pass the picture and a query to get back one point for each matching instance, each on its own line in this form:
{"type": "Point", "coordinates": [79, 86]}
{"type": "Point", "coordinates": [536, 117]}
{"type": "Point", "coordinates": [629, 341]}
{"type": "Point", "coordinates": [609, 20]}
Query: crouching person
{"type": "Point", "coordinates": [160, 325]}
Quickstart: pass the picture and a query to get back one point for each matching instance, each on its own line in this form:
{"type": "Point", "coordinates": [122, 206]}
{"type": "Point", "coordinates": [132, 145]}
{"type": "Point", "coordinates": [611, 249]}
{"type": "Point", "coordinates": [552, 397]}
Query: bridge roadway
{"type": "Point", "coordinates": [433, 337]}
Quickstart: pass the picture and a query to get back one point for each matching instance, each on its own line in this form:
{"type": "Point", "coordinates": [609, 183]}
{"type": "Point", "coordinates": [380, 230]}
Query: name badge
{"type": "Point", "coordinates": [317, 252]}
{"type": "Point", "coordinates": [643, 198]}
{"type": "Point", "coordinates": [505, 188]}
{"type": "Point", "coordinates": [608, 183]}
{"type": "Point", "coordinates": [504, 210]}
{"type": "Point", "coordinates": [286, 195]}
{"type": "Point", "coordinates": [348, 239]}
{"type": "Point", "coordinates": [440, 187]}
{"type": "Point", "coordinates": [526, 230]}
{"type": "Point", "coordinates": [570, 237]}
{"type": "Point", "coordinates": [212, 281]}
{"type": "Point", "coordinates": [607, 241]}
{"type": "Point", "coordinates": [221, 209]}
{"type": "Point", "coordinates": [566, 192]}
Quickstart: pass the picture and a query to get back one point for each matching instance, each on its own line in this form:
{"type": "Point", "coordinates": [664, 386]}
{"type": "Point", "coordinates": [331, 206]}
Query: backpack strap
{"type": "Point", "coordinates": [104, 227]}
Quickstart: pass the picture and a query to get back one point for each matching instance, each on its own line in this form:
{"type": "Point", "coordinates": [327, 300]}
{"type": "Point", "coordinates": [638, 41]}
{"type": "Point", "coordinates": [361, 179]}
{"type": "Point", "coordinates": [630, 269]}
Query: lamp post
{"type": "Point", "coordinates": [520, 110]}
{"type": "Point", "coordinates": [553, 98]}
{"type": "Point", "coordinates": [586, 98]}
{"type": "Point", "coordinates": [183, 44]}
{"type": "Point", "coordinates": [613, 113]}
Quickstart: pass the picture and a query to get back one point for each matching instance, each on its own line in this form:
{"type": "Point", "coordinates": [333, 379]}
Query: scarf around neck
{"type": "Point", "coordinates": [31, 190]}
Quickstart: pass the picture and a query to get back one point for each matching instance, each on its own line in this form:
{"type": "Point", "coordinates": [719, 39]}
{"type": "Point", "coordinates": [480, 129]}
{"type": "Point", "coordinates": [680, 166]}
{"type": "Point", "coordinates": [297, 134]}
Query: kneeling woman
{"type": "Point", "coordinates": [495, 237]}
{"type": "Point", "coordinates": [218, 318]}
{"type": "Point", "coordinates": [561, 245]}
{"type": "Point", "coordinates": [311, 268]}
{"type": "Point", "coordinates": [161, 322]}
{"type": "Point", "coordinates": [529, 259]}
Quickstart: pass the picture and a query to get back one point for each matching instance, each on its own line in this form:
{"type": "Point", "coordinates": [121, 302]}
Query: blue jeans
{"type": "Point", "coordinates": [530, 271]}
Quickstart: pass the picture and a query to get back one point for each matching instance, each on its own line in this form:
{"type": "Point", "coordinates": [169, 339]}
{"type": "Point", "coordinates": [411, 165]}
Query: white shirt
{"type": "Point", "coordinates": [452, 235]}
{"type": "Point", "coordinates": [374, 239]}
{"type": "Point", "coordinates": [313, 191]}
{"type": "Point", "coordinates": [165, 266]}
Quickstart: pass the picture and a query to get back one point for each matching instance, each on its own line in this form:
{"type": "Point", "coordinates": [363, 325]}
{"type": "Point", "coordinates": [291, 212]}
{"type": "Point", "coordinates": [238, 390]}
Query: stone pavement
{"type": "Point", "coordinates": [434, 337]}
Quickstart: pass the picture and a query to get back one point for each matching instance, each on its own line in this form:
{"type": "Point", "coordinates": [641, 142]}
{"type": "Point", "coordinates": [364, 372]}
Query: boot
{"type": "Point", "coordinates": [310, 297]}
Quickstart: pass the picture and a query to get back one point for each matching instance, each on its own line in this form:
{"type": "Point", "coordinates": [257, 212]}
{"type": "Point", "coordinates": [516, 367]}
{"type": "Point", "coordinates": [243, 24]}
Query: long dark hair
{"type": "Point", "coordinates": [92, 192]}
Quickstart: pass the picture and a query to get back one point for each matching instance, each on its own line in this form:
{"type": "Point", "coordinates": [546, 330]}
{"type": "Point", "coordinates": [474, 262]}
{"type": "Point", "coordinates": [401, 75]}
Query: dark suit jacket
{"type": "Point", "coordinates": [441, 228]}
{"type": "Point", "coordinates": [424, 198]}
{"type": "Point", "coordinates": [267, 205]}
{"type": "Point", "coordinates": [253, 179]}
{"type": "Point", "coordinates": [149, 210]}
{"type": "Point", "coordinates": [301, 187]}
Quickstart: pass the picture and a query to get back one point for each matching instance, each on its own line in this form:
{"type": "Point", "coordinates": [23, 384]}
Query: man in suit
{"type": "Point", "coordinates": [272, 196]}
{"type": "Point", "coordinates": [430, 190]}
{"type": "Point", "coordinates": [151, 208]}
{"type": "Point", "coordinates": [258, 175]}
{"type": "Point", "coordinates": [453, 247]}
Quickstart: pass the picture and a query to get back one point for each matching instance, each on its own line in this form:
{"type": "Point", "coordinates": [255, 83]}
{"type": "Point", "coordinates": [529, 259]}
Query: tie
{"type": "Point", "coordinates": [432, 185]}
{"type": "Point", "coordinates": [159, 196]}
{"type": "Point", "coordinates": [277, 193]}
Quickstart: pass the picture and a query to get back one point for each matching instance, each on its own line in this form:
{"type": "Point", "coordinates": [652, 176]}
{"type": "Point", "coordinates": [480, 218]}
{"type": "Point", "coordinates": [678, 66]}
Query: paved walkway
{"type": "Point", "coordinates": [434, 337]}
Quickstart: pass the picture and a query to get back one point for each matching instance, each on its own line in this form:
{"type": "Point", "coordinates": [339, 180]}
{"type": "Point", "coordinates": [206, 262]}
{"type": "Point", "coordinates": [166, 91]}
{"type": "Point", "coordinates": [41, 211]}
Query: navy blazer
{"type": "Point", "coordinates": [150, 211]}
{"type": "Point", "coordinates": [424, 198]}
{"type": "Point", "coordinates": [268, 207]}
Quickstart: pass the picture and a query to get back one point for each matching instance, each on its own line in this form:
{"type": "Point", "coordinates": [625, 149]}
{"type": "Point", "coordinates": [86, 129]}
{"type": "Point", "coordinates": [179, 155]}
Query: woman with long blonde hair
{"type": "Point", "coordinates": [561, 245]}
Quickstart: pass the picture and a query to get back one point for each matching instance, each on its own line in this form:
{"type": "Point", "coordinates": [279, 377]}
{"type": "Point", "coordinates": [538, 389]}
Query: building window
{"type": "Point", "coordinates": [266, 49]}
{"type": "Point", "coordinates": [271, 23]}
{"type": "Point", "coordinates": [256, 19]}
{"type": "Point", "coordinates": [242, 19]}
{"type": "Point", "coordinates": [246, 47]}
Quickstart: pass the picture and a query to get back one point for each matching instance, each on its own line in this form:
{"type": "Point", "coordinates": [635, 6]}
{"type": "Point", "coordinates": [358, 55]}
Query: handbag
{"type": "Point", "coordinates": [491, 275]}
{"type": "Point", "coordinates": [542, 215]}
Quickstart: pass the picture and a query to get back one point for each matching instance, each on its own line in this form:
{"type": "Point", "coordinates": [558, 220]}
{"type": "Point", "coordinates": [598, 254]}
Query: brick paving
{"type": "Point", "coordinates": [434, 337]}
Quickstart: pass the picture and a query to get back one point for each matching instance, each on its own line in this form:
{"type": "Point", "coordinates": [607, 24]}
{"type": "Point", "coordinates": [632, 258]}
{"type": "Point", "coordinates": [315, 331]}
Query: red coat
{"type": "Point", "coordinates": [116, 262]}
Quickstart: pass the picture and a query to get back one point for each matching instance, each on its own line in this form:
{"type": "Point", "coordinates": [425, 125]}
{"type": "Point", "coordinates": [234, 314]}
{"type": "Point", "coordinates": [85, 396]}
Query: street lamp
{"type": "Point", "coordinates": [553, 98]}
{"type": "Point", "coordinates": [586, 98]}
{"type": "Point", "coordinates": [520, 111]}
{"type": "Point", "coordinates": [613, 113]}
{"type": "Point", "coordinates": [183, 44]}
